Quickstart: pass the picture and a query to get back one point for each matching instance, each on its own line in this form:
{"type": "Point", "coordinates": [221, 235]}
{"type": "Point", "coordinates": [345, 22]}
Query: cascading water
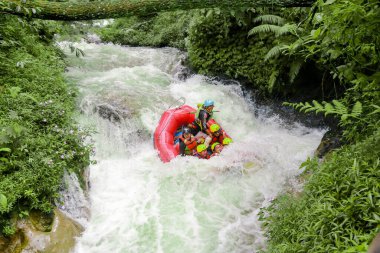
{"type": "Point", "coordinates": [139, 204]}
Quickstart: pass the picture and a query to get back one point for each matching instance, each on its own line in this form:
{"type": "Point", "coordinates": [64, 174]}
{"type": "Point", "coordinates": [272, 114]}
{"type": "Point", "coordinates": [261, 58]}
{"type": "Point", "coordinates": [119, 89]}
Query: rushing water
{"type": "Point", "coordinates": [139, 204]}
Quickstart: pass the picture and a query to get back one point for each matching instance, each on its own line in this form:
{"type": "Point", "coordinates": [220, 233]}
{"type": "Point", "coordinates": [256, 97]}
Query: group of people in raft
{"type": "Point", "coordinates": [199, 140]}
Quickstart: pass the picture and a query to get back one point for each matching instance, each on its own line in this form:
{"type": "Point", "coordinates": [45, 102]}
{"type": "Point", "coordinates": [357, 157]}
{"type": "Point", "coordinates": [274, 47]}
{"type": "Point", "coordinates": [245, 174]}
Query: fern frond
{"type": "Point", "coordinates": [269, 19]}
{"type": "Point", "coordinates": [274, 52]}
{"type": "Point", "coordinates": [266, 28]}
{"type": "Point", "coordinates": [329, 108]}
{"type": "Point", "coordinates": [285, 29]}
{"type": "Point", "coordinates": [336, 107]}
{"type": "Point", "coordinates": [344, 117]}
{"type": "Point", "coordinates": [300, 105]}
{"type": "Point", "coordinates": [339, 107]}
{"type": "Point", "coordinates": [318, 106]}
{"type": "Point", "coordinates": [295, 68]}
{"type": "Point", "coordinates": [272, 80]}
{"type": "Point", "coordinates": [357, 109]}
{"type": "Point", "coordinates": [306, 106]}
{"type": "Point", "coordinates": [294, 47]}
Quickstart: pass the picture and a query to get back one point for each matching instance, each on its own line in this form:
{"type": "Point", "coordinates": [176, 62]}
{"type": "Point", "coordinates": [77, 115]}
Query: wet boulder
{"type": "Point", "coordinates": [331, 140]}
{"type": "Point", "coordinates": [112, 113]}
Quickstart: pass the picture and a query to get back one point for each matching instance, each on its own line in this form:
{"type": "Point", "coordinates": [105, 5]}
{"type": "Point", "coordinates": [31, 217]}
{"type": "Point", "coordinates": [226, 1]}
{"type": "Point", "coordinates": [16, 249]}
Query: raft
{"type": "Point", "coordinates": [170, 121]}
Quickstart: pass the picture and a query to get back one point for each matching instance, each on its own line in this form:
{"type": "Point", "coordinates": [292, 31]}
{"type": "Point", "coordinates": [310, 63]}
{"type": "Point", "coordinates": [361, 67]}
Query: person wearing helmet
{"type": "Point", "coordinates": [202, 116]}
{"type": "Point", "coordinates": [227, 141]}
{"type": "Point", "coordinates": [216, 148]}
{"type": "Point", "coordinates": [202, 152]}
{"type": "Point", "coordinates": [187, 143]}
{"type": "Point", "coordinates": [218, 134]}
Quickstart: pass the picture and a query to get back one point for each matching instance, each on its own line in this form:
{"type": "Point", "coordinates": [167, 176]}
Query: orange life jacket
{"type": "Point", "coordinates": [219, 138]}
{"type": "Point", "coordinates": [190, 144]}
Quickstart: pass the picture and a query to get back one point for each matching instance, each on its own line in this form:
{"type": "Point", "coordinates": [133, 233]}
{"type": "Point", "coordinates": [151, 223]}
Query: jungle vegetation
{"type": "Point", "coordinates": [39, 138]}
{"type": "Point", "coordinates": [325, 58]}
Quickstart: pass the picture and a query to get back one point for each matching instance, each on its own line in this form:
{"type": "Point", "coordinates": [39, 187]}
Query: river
{"type": "Point", "coordinates": [139, 204]}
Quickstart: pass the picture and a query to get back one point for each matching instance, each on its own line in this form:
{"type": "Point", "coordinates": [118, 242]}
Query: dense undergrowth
{"type": "Point", "coordinates": [338, 210]}
{"type": "Point", "coordinates": [163, 29]}
{"type": "Point", "coordinates": [330, 53]}
{"type": "Point", "coordinates": [38, 136]}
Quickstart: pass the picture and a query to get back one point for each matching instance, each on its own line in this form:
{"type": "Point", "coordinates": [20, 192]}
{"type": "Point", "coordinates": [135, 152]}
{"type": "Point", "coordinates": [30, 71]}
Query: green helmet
{"type": "Point", "coordinates": [214, 145]}
{"type": "Point", "coordinates": [227, 141]}
{"type": "Point", "coordinates": [201, 147]}
{"type": "Point", "coordinates": [214, 128]}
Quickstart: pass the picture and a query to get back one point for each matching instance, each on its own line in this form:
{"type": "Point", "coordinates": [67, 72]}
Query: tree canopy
{"type": "Point", "coordinates": [114, 9]}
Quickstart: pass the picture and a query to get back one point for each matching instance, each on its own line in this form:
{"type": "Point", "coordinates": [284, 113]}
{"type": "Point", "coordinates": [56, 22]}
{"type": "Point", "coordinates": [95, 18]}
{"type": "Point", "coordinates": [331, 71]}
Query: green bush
{"type": "Point", "coordinates": [339, 209]}
{"type": "Point", "coordinates": [164, 29]}
{"type": "Point", "coordinates": [38, 137]}
{"type": "Point", "coordinates": [217, 44]}
{"type": "Point", "coordinates": [220, 42]}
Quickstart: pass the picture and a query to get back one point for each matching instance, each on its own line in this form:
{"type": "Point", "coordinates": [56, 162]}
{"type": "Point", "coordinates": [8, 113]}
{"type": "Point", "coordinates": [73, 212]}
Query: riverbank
{"type": "Point", "coordinates": [39, 138]}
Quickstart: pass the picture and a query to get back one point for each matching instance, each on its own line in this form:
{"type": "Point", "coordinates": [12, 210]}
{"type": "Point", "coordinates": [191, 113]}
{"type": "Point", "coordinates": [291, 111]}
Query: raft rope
{"type": "Point", "coordinates": [183, 102]}
{"type": "Point", "coordinates": [167, 122]}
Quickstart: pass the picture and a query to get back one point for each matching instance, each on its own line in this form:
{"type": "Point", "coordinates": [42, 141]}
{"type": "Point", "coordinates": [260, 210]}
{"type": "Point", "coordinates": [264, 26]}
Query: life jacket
{"type": "Point", "coordinates": [219, 138]}
{"type": "Point", "coordinates": [197, 120]}
{"type": "Point", "coordinates": [196, 154]}
{"type": "Point", "coordinates": [190, 144]}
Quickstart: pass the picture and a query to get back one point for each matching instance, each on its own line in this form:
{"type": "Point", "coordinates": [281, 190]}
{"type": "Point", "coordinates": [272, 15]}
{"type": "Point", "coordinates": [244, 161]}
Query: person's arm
{"type": "Point", "coordinates": [203, 119]}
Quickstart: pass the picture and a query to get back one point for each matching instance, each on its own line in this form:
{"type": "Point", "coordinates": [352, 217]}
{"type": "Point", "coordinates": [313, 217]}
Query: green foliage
{"type": "Point", "coordinates": [3, 203]}
{"type": "Point", "coordinates": [218, 44]}
{"type": "Point", "coordinates": [19, 8]}
{"type": "Point", "coordinates": [38, 139]}
{"type": "Point", "coordinates": [277, 30]}
{"type": "Point", "coordinates": [269, 19]}
{"type": "Point", "coordinates": [164, 29]}
{"type": "Point", "coordinates": [274, 52]}
{"type": "Point", "coordinates": [336, 108]}
{"type": "Point", "coordinates": [339, 209]}
{"type": "Point", "coordinates": [357, 122]}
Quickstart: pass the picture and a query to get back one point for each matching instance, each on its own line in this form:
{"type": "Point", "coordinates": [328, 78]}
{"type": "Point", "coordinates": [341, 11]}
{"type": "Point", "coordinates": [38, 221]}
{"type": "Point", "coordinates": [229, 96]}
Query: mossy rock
{"type": "Point", "coordinates": [13, 244]}
{"type": "Point", "coordinates": [41, 221]}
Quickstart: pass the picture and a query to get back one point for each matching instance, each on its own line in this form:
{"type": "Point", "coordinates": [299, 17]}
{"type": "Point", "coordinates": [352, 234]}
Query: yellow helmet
{"type": "Point", "coordinates": [201, 147]}
{"type": "Point", "coordinates": [214, 128]}
{"type": "Point", "coordinates": [227, 141]}
{"type": "Point", "coordinates": [214, 145]}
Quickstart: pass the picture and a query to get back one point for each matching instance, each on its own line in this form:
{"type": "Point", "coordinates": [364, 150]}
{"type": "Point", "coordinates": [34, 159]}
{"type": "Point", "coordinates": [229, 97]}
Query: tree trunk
{"type": "Point", "coordinates": [114, 9]}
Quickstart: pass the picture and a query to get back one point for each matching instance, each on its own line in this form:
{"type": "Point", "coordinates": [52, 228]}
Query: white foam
{"type": "Point", "coordinates": [139, 204]}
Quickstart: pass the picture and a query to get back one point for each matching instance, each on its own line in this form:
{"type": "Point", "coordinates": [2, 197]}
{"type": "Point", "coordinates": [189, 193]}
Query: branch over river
{"type": "Point", "coordinates": [114, 9]}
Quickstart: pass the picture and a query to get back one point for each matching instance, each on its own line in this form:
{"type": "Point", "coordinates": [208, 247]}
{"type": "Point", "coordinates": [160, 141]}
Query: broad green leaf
{"type": "Point", "coordinates": [315, 33]}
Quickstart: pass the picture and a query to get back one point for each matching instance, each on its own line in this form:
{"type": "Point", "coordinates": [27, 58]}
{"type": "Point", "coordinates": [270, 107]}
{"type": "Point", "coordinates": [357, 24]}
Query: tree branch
{"type": "Point", "coordinates": [121, 8]}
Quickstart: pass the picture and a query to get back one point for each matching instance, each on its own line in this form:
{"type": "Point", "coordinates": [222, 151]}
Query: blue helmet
{"type": "Point", "coordinates": [208, 102]}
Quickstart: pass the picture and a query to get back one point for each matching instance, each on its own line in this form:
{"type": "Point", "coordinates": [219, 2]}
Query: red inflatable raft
{"type": "Point", "coordinates": [170, 121]}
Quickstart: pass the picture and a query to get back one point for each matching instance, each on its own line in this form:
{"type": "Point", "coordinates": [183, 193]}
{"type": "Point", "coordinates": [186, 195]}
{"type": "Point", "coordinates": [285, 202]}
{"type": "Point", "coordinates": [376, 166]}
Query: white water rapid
{"type": "Point", "coordinates": [138, 203]}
